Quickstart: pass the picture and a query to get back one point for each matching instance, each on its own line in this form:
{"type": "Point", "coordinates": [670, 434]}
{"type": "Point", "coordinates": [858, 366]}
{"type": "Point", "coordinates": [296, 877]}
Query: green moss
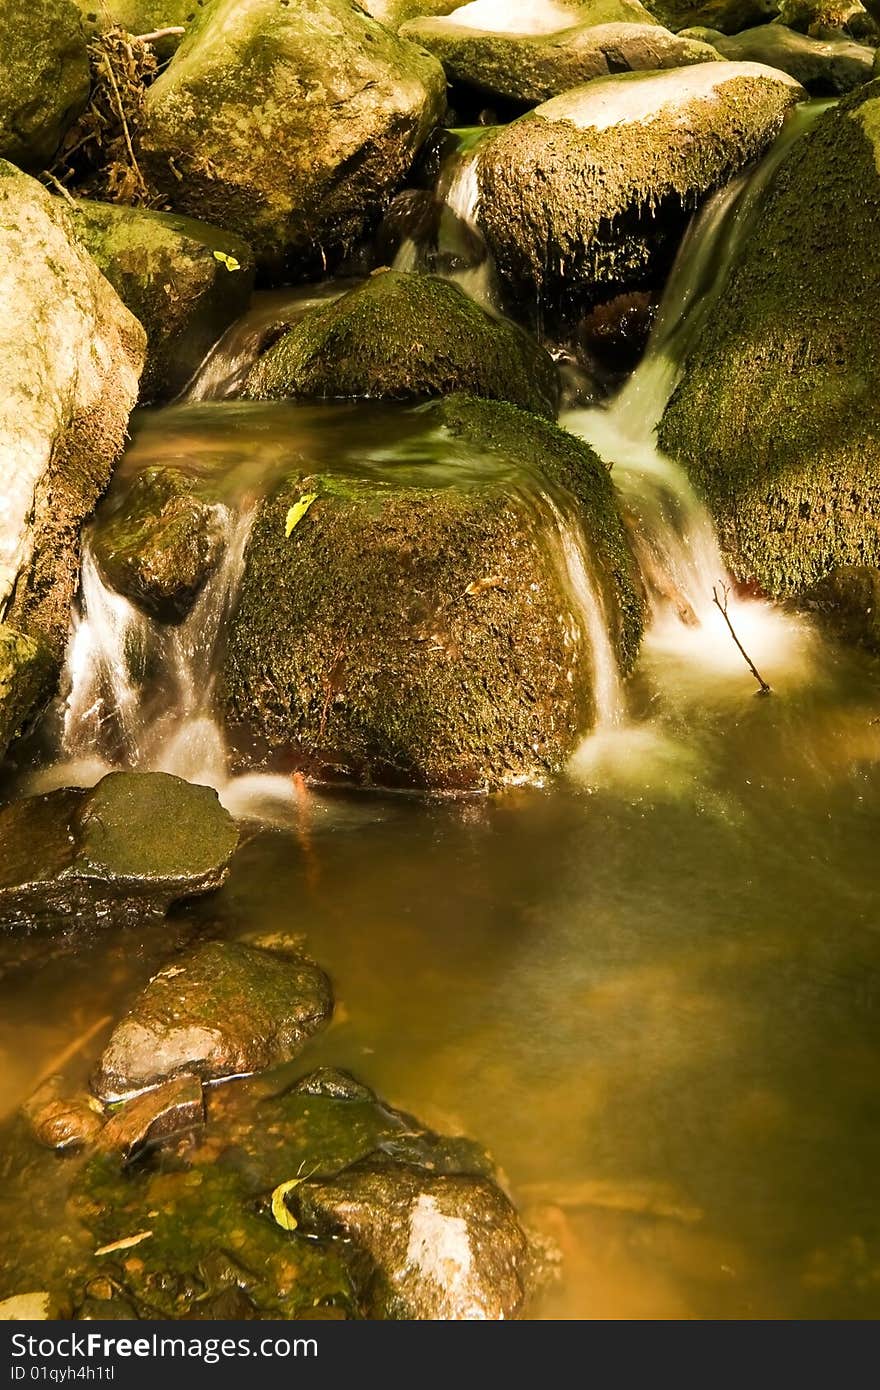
{"type": "Point", "coordinates": [567, 208]}
{"type": "Point", "coordinates": [426, 635]}
{"type": "Point", "coordinates": [28, 672]}
{"type": "Point", "coordinates": [401, 337]}
{"type": "Point", "coordinates": [44, 78]}
{"type": "Point", "coordinates": [778, 415]}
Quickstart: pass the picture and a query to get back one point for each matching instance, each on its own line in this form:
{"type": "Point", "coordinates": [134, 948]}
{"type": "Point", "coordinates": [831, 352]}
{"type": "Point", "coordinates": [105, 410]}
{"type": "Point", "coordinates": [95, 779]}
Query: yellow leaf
{"type": "Point", "coordinates": [297, 512]}
{"type": "Point", "coordinates": [285, 1219]}
{"type": "Point", "coordinates": [229, 261]}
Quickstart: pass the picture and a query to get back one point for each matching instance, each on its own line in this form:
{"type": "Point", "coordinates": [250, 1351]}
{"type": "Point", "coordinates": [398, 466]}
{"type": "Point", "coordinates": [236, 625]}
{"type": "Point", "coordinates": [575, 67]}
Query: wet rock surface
{"type": "Point", "coordinates": [183, 280]}
{"type": "Point", "coordinates": [580, 192]}
{"type": "Point", "coordinates": [424, 633]}
{"type": "Point", "coordinates": [60, 1120]}
{"type": "Point", "coordinates": [402, 336]}
{"type": "Point", "coordinates": [825, 67]}
{"type": "Point", "coordinates": [44, 78]}
{"type": "Point", "coordinates": [529, 67]}
{"type": "Point", "coordinates": [347, 101]}
{"type": "Point", "coordinates": [174, 1108]}
{"type": "Point", "coordinates": [120, 852]}
{"type": "Point", "coordinates": [27, 679]}
{"type": "Point", "coordinates": [776, 416]}
{"type": "Point", "coordinates": [223, 1010]}
{"type": "Point", "coordinates": [160, 542]}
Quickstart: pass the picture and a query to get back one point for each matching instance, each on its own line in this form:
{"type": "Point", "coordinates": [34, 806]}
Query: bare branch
{"type": "Point", "coordinates": [721, 605]}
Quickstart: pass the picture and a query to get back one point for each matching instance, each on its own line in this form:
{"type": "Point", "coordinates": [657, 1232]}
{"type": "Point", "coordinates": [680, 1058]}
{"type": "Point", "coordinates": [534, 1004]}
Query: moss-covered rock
{"type": "Point", "coordinates": [401, 337]}
{"type": "Point", "coordinates": [848, 601]}
{"type": "Point", "coordinates": [44, 78]}
{"type": "Point", "coordinates": [289, 124]}
{"type": "Point", "coordinates": [725, 16]}
{"type": "Point", "coordinates": [222, 1010]}
{"type": "Point", "coordinates": [418, 627]}
{"type": "Point", "coordinates": [829, 18]}
{"type": "Point", "coordinates": [575, 195]}
{"type": "Point", "coordinates": [121, 851]}
{"type": "Point", "coordinates": [141, 17]}
{"type": "Point", "coordinates": [70, 356]}
{"type": "Point", "coordinates": [185, 282]}
{"type": "Point", "coordinates": [158, 543]}
{"type": "Point", "coordinates": [27, 678]}
{"type": "Point", "coordinates": [394, 13]}
{"type": "Point", "coordinates": [527, 68]}
{"type": "Point", "coordinates": [777, 416]}
{"type": "Point", "coordinates": [825, 67]}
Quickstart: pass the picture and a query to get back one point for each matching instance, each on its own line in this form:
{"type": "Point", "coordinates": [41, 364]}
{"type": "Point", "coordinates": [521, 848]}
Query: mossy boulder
{"type": "Point", "coordinates": [725, 16]}
{"type": "Point", "coordinates": [400, 337]}
{"type": "Point", "coordinates": [576, 196]}
{"type": "Point", "coordinates": [394, 13]}
{"type": "Point", "coordinates": [185, 282]}
{"type": "Point", "coordinates": [777, 416]}
{"type": "Point", "coordinates": [830, 18]}
{"type": "Point", "coordinates": [527, 68]}
{"type": "Point", "coordinates": [120, 852]}
{"type": "Point", "coordinates": [70, 356]}
{"type": "Point", "coordinates": [418, 627]}
{"type": "Point", "coordinates": [223, 1009]}
{"type": "Point", "coordinates": [825, 67]}
{"type": "Point", "coordinates": [44, 78]}
{"type": "Point", "coordinates": [158, 542]}
{"type": "Point", "coordinates": [291, 125]}
{"type": "Point", "coordinates": [141, 17]}
{"type": "Point", "coordinates": [848, 601]}
{"type": "Point", "coordinates": [27, 678]}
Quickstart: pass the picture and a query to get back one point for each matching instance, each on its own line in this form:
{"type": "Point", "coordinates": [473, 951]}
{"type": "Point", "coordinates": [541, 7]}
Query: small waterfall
{"type": "Point", "coordinates": [460, 253]}
{"type": "Point", "coordinates": [140, 694]}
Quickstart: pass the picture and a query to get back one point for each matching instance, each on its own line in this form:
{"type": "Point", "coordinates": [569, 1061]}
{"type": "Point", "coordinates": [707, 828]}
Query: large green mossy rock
{"type": "Point", "coordinates": [419, 626]}
{"type": "Point", "coordinates": [120, 852]}
{"type": "Point", "coordinates": [291, 125]}
{"type": "Point", "coordinates": [575, 194]}
{"type": "Point", "coordinates": [70, 357]}
{"type": "Point", "coordinates": [401, 337]}
{"type": "Point", "coordinates": [44, 78]}
{"type": "Point", "coordinates": [829, 18]}
{"type": "Point", "coordinates": [27, 677]}
{"type": "Point", "coordinates": [159, 542]}
{"type": "Point", "coordinates": [224, 1009]}
{"type": "Point", "coordinates": [825, 67]}
{"type": "Point", "coordinates": [602, 37]}
{"type": "Point", "coordinates": [725, 16]}
{"type": "Point", "coordinates": [394, 13]}
{"type": "Point", "coordinates": [777, 417]}
{"type": "Point", "coordinates": [185, 282]}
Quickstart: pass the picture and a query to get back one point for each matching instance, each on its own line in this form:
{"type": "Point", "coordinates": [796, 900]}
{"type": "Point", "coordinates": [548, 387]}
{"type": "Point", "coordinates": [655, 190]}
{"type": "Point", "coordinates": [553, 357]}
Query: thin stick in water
{"type": "Point", "coordinates": [763, 687]}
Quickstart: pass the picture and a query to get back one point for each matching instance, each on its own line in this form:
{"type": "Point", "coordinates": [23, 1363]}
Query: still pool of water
{"type": "Point", "coordinates": [652, 990]}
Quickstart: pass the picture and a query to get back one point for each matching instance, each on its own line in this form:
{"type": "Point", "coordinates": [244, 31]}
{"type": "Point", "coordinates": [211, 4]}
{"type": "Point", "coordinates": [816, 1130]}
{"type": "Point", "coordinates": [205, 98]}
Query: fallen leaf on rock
{"type": "Point", "coordinates": [298, 511]}
{"type": "Point", "coordinates": [229, 261]}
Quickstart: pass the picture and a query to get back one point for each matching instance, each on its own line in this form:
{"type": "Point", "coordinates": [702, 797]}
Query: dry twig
{"type": "Point", "coordinates": [721, 605]}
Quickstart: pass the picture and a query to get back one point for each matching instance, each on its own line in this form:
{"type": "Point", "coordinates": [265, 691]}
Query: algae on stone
{"type": "Point", "coordinates": [402, 337]}
{"type": "Point", "coordinates": [291, 125]}
{"type": "Point", "coordinates": [574, 194]}
{"type": "Point", "coordinates": [27, 677]}
{"type": "Point", "coordinates": [777, 416]}
{"type": "Point", "coordinates": [44, 78]}
{"type": "Point", "coordinates": [184, 280]}
{"type": "Point", "coordinates": [824, 67]}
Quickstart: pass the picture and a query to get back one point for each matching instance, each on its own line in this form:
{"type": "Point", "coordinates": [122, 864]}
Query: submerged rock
{"type": "Point", "coordinates": [419, 626]}
{"type": "Point", "coordinates": [222, 1010]}
{"type": "Point", "coordinates": [401, 337]}
{"type": "Point", "coordinates": [445, 1247]}
{"type": "Point", "coordinates": [777, 416]}
{"type": "Point", "coordinates": [177, 1107]}
{"type": "Point", "coordinates": [185, 282]}
{"type": "Point", "coordinates": [121, 851]}
{"type": "Point", "coordinates": [160, 543]}
{"type": "Point", "coordinates": [528, 67]}
{"type": "Point", "coordinates": [70, 355]}
{"type": "Point", "coordinates": [289, 124]}
{"type": "Point", "coordinates": [27, 679]}
{"type": "Point", "coordinates": [44, 78]}
{"type": "Point", "coordinates": [577, 193]}
{"type": "Point", "coordinates": [63, 1121]}
{"type": "Point", "coordinates": [825, 67]}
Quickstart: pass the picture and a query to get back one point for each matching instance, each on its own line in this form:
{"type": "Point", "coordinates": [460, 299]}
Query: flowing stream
{"type": "Point", "coordinates": [652, 989]}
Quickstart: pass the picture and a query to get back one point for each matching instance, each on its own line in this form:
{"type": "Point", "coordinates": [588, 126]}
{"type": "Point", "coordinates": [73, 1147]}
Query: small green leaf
{"type": "Point", "coordinates": [283, 1217]}
{"type": "Point", "coordinates": [229, 261]}
{"type": "Point", "coordinates": [298, 511]}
